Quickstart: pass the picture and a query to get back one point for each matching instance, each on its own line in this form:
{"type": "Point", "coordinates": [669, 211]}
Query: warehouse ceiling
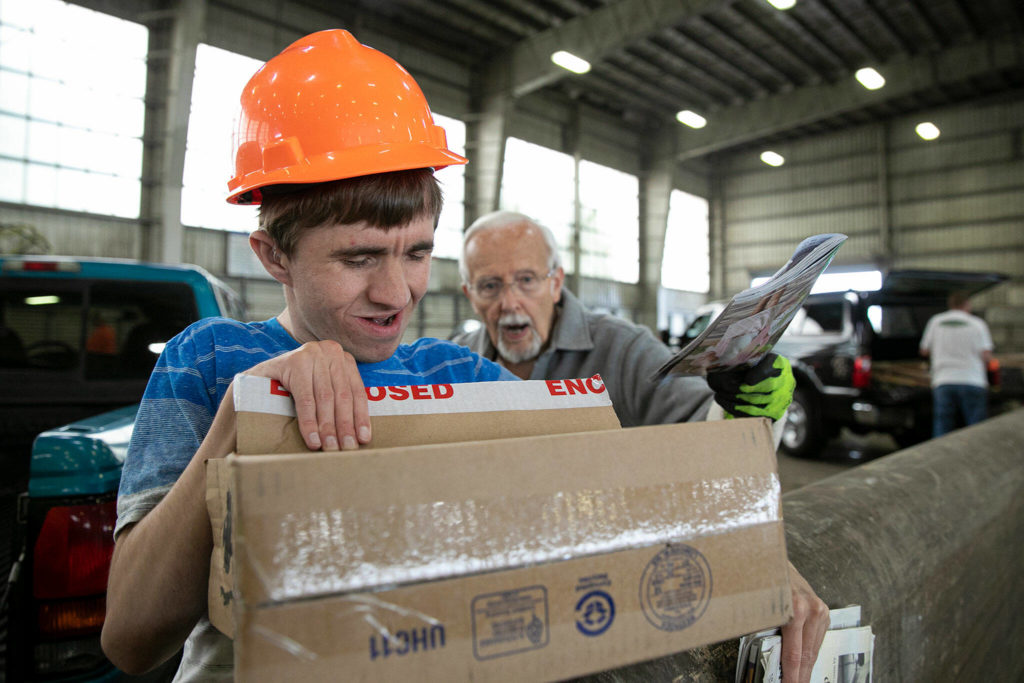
{"type": "Point", "coordinates": [754, 72]}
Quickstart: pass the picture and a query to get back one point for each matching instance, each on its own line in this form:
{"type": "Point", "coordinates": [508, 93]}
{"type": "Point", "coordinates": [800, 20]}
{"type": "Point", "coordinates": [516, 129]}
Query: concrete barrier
{"type": "Point", "coordinates": [929, 541]}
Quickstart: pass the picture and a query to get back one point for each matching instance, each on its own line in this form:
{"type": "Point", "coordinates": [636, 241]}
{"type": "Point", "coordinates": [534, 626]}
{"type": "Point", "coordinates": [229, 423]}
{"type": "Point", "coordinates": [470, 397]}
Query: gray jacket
{"type": "Point", "coordinates": [626, 355]}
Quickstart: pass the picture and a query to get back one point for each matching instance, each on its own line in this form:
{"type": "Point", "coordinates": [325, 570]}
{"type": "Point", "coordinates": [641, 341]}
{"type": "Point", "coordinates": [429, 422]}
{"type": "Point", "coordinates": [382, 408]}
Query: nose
{"type": "Point", "coordinates": [388, 286]}
{"type": "Point", "coordinates": [509, 300]}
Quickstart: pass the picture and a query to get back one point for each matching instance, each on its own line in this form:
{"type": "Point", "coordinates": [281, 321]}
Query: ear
{"type": "Point", "coordinates": [556, 284]}
{"type": "Point", "coordinates": [274, 262]}
{"type": "Point", "coordinates": [465, 291]}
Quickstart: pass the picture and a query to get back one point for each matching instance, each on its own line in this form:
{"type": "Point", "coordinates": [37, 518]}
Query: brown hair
{"type": "Point", "coordinates": [958, 299]}
{"type": "Point", "coordinates": [384, 200]}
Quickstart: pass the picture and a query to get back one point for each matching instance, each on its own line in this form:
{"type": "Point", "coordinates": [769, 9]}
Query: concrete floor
{"type": "Point", "coordinates": [839, 455]}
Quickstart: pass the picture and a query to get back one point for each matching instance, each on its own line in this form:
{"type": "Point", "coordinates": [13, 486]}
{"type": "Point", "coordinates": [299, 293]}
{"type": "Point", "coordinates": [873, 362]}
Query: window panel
{"type": "Point", "coordinates": [74, 189]}
{"type": "Point", "coordinates": [120, 76]}
{"type": "Point", "coordinates": [13, 136]}
{"type": "Point", "coordinates": [610, 223]}
{"type": "Point", "coordinates": [14, 48]}
{"type": "Point", "coordinates": [12, 179]}
{"type": "Point", "coordinates": [123, 196]}
{"type": "Point", "coordinates": [219, 78]}
{"type": "Point", "coordinates": [16, 14]}
{"type": "Point", "coordinates": [448, 236]}
{"type": "Point", "coordinates": [41, 185]}
{"type": "Point", "coordinates": [49, 60]}
{"type": "Point", "coordinates": [125, 116]}
{"type": "Point", "coordinates": [75, 147]}
{"type": "Point", "coordinates": [13, 92]}
{"type": "Point", "coordinates": [46, 100]}
{"type": "Point", "coordinates": [538, 182]}
{"type": "Point", "coordinates": [686, 262]}
{"type": "Point", "coordinates": [43, 142]}
{"type": "Point", "coordinates": [78, 78]}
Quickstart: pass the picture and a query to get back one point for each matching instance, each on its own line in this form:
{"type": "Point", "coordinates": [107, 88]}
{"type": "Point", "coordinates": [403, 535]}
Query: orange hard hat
{"type": "Point", "coordinates": [328, 108]}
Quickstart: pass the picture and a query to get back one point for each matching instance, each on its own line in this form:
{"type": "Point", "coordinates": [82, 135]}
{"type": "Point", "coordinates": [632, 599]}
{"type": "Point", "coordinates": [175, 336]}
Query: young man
{"type": "Point", "coordinates": [536, 328]}
{"type": "Point", "coordinates": [959, 347]}
{"type": "Point", "coordinates": [348, 207]}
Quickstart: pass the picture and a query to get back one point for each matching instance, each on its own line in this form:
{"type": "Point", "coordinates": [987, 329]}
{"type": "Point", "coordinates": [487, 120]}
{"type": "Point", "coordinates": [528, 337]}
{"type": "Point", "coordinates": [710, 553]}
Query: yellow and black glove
{"type": "Point", "coordinates": [764, 390]}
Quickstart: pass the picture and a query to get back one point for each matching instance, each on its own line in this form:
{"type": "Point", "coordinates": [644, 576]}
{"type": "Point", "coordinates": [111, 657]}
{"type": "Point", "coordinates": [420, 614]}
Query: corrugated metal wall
{"type": "Point", "coordinates": [955, 203]}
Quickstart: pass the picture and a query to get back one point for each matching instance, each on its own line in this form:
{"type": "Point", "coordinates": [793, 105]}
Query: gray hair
{"type": "Point", "coordinates": [501, 219]}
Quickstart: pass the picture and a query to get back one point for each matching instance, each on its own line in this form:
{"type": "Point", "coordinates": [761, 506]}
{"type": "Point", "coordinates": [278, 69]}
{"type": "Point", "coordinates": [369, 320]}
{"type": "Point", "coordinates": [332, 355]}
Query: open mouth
{"type": "Point", "coordinates": [516, 331]}
{"type": "Point", "coordinates": [384, 322]}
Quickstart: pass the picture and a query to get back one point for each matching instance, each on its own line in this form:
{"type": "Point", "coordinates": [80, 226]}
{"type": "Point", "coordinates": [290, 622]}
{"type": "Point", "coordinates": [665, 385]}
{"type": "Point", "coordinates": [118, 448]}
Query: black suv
{"type": "Point", "coordinates": [855, 358]}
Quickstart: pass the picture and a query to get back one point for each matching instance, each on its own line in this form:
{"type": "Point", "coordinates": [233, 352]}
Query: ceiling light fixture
{"type": "Point", "coordinates": [43, 300]}
{"type": "Point", "coordinates": [571, 62]}
{"type": "Point", "coordinates": [691, 119]}
{"type": "Point", "coordinates": [928, 130]}
{"type": "Point", "coordinates": [772, 158]}
{"type": "Point", "coordinates": [782, 4]}
{"type": "Point", "coordinates": [869, 78]}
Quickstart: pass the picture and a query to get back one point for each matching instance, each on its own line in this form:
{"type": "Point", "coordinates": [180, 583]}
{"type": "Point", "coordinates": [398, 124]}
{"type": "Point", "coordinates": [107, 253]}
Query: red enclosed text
{"type": "Point", "coordinates": [569, 387]}
{"type": "Point", "coordinates": [417, 392]}
{"type": "Point", "coordinates": [277, 389]}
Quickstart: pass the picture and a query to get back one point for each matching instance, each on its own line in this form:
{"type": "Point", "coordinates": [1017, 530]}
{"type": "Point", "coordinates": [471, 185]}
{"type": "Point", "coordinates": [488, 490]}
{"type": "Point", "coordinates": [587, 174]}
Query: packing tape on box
{"type": "Point", "coordinates": [333, 550]}
{"type": "Point", "coordinates": [264, 395]}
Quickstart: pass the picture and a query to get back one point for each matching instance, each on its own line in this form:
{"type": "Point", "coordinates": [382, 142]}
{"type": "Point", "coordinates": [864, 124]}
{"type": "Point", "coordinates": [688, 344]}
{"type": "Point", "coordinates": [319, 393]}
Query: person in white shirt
{"type": "Point", "coordinates": [960, 347]}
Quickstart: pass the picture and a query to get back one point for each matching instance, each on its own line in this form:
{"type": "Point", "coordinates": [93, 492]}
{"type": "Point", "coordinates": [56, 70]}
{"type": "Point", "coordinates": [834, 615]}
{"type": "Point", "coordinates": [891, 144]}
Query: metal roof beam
{"type": "Point", "coordinates": [904, 77]}
{"type": "Point", "coordinates": [593, 37]}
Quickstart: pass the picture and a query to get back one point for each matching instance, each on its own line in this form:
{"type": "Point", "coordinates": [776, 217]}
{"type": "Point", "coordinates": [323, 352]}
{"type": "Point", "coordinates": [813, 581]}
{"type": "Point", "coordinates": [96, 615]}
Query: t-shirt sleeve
{"type": "Point", "coordinates": [986, 337]}
{"type": "Point", "coordinates": [926, 338]}
{"type": "Point", "coordinates": [489, 371]}
{"type": "Point", "coordinates": [174, 416]}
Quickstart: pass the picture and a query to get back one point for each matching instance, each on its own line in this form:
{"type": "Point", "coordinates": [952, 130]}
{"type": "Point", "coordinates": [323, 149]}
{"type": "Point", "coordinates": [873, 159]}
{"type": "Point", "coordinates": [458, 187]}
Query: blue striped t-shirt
{"type": "Point", "coordinates": [195, 369]}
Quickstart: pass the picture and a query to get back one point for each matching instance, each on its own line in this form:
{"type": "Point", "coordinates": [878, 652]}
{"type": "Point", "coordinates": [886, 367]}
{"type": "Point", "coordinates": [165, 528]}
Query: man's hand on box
{"type": "Point", "coordinates": [764, 390]}
{"type": "Point", "coordinates": [330, 399]}
{"type": "Point", "coordinates": [803, 635]}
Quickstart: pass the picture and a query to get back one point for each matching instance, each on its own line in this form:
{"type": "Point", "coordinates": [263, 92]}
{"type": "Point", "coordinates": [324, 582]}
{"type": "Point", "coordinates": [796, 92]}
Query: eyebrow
{"type": "Point", "coordinates": [371, 250]}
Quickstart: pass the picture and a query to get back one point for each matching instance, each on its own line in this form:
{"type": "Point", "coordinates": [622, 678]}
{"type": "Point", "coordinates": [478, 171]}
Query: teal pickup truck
{"type": "Point", "coordinates": [78, 339]}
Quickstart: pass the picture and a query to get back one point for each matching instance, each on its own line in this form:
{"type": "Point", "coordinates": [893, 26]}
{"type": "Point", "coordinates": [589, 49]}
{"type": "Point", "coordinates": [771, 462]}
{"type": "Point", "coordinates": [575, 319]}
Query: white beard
{"type": "Point", "coordinates": [520, 355]}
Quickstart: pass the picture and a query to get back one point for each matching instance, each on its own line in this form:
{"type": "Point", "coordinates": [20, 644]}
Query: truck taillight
{"type": "Point", "coordinates": [75, 617]}
{"type": "Point", "coordinates": [72, 553]}
{"type": "Point", "coordinates": [30, 266]}
{"type": "Point", "coordinates": [861, 372]}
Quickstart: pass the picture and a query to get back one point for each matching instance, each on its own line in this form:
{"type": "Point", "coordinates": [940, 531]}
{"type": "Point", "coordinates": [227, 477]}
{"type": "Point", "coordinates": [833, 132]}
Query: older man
{"type": "Point", "coordinates": [535, 327]}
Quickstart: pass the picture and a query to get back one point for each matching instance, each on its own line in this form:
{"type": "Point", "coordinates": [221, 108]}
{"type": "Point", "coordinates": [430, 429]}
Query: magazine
{"type": "Point", "coordinates": [748, 327]}
{"type": "Point", "coordinates": [845, 655]}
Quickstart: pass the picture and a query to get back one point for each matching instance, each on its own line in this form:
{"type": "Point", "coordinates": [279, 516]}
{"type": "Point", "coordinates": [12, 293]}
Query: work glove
{"type": "Point", "coordinates": [764, 390]}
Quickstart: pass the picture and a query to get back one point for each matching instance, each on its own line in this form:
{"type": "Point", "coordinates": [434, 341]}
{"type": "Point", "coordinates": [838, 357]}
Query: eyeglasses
{"type": "Point", "coordinates": [526, 281]}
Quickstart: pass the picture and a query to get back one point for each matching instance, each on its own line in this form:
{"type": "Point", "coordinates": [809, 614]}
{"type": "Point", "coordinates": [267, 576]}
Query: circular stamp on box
{"type": "Point", "coordinates": [595, 612]}
{"type": "Point", "coordinates": [675, 588]}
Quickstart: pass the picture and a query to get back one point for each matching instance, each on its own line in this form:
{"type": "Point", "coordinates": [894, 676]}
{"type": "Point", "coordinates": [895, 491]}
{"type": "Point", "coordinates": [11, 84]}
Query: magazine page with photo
{"type": "Point", "coordinates": [752, 322]}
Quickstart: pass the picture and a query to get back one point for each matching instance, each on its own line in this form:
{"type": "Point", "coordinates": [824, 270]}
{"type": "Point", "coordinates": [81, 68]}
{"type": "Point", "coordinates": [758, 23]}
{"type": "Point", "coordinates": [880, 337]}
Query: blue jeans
{"type": "Point", "coordinates": [948, 400]}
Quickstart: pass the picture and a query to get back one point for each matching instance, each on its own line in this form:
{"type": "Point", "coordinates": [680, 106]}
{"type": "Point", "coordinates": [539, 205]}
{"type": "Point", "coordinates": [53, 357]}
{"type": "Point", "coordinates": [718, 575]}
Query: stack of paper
{"type": "Point", "coordinates": [845, 655]}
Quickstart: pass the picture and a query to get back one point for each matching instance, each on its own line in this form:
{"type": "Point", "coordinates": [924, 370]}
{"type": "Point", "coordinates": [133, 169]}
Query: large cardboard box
{"type": "Point", "coordinates": [563, 547]}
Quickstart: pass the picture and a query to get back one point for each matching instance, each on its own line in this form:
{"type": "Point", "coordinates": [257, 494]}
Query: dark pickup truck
{"type": "Point", "coordinates": [78, 340]}
{"type": "Point", "coordinates": [856, 361]}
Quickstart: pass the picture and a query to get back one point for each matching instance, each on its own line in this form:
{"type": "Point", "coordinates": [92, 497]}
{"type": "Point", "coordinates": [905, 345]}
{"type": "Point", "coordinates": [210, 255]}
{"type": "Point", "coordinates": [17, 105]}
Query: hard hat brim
{"type": "Point", "coordinates": [352, 163]}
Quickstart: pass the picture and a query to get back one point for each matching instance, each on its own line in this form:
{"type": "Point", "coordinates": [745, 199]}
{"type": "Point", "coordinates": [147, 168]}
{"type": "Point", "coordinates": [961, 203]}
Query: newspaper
{"type": "Point", "coordinates": [748, 327]}
{"type": "Point", "coordinates": [845, 655]}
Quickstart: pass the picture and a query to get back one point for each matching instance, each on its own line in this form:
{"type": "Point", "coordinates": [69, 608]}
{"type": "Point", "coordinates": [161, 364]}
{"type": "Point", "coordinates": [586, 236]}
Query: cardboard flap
{"type": "Point", "coordinates": [220, 589]}
{"type": "Point", "coordinates": [429, 414]}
